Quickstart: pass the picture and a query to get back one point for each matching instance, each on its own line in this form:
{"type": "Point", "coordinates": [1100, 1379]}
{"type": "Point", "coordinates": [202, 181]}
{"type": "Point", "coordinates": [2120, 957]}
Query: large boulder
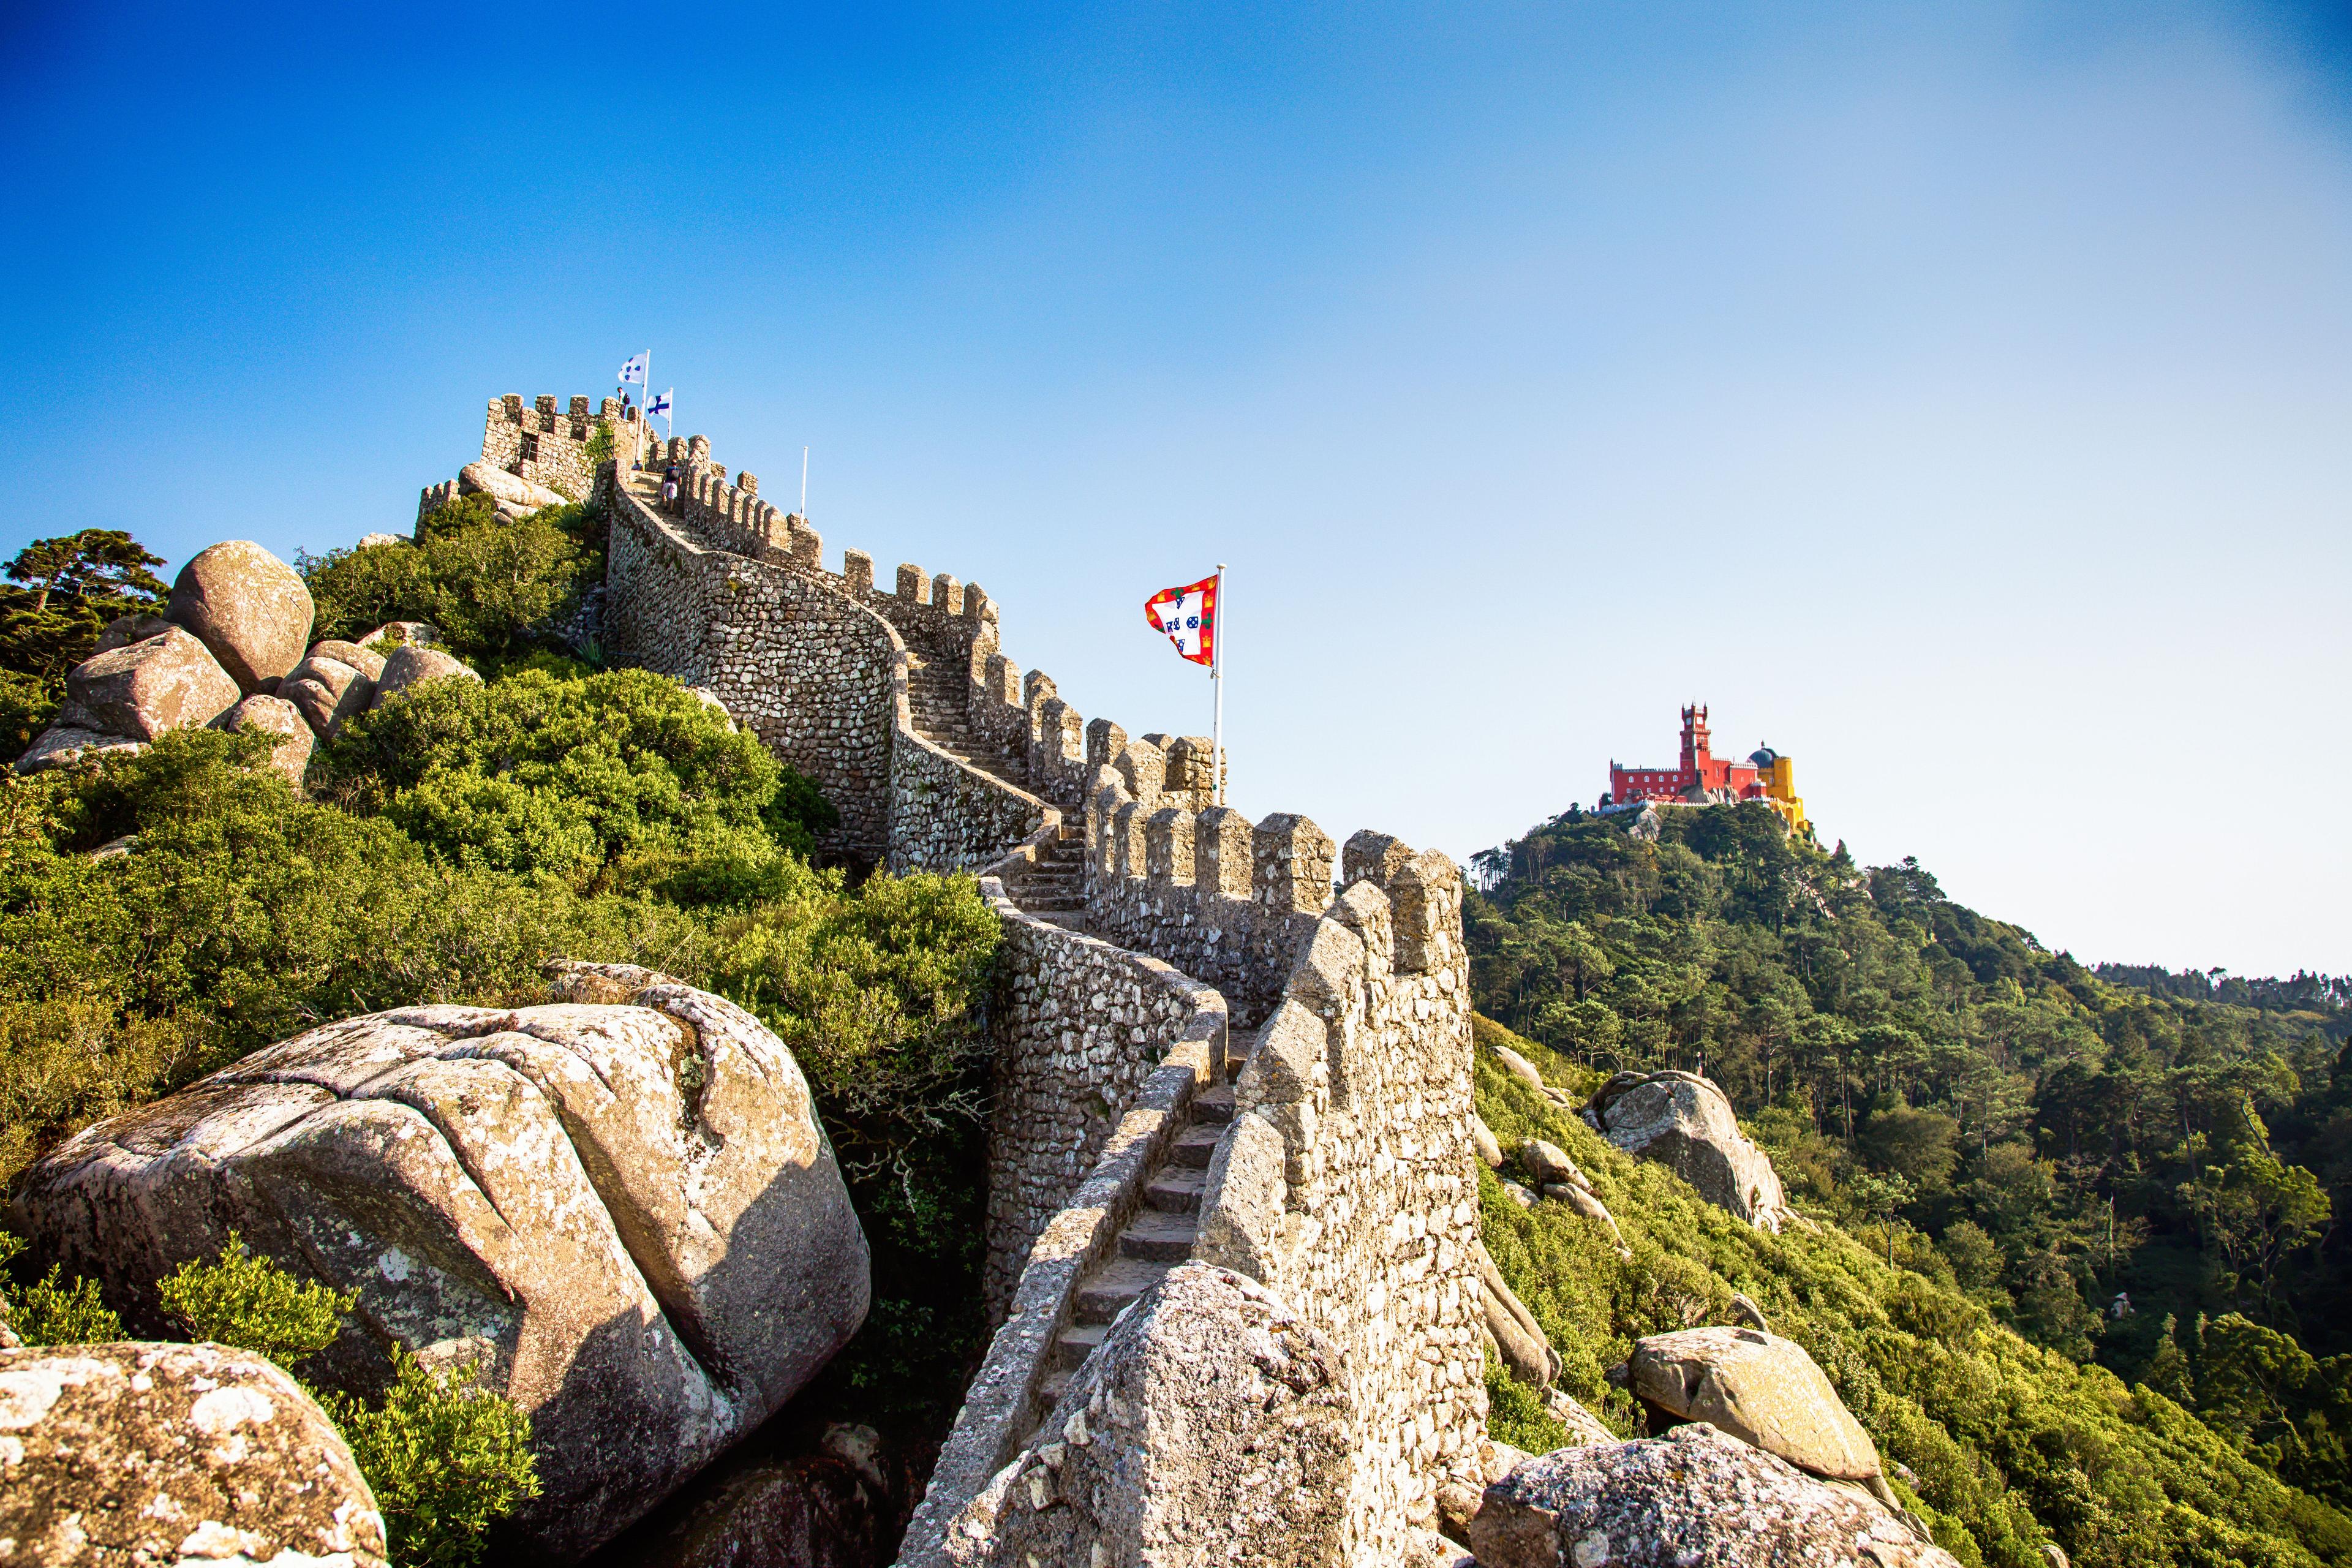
{"type": "Point", "coordinates": [327, 689]}
{"type": "Point", "coordinates": [1684, 1122]}
{"type": "Point", "coordinates": [516, 496]}
{"type": "Point", "coordinates": [1696, 1499]}
{"type": "Point", "coordinates": [1758, 1387]}
{"type": "Point", "coordinates": [124, 630]}
{"type": "Point", "coordinates": [619, 1207]}
{"type": "Point", "coordinates": [290, 757]}
{"type": "Point", "coordinates": [172, 1454]}
{"type": "Point", "coordinates": [139, 690]}
{"type": "Point", "coordinates": [1213, 1425]}
{"type": "Point", "coordinates": [412, 663]}
{"type": "Point", "coordinates": [249, 607]}
{"type": "Point", "coordinates": [61, 744]}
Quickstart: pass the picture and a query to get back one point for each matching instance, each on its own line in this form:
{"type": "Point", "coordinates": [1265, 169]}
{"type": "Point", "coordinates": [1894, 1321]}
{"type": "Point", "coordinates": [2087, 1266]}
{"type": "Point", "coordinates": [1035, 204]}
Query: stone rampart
{"type": "Point", "coordinates": [547, 445]}
{"type": "Point", "coordinates": [1226, 900]}
{"type": "Point", "coordinates": [1345, 1184]}
{"type": "Point", "coordinates": [1100, 1053]}
{"type": "Point", "coordinates": [811, 674]}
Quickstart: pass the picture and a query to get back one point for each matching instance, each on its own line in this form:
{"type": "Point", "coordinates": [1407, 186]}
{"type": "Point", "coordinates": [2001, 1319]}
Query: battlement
{"type": "Point", "coordinates": [548, 445]}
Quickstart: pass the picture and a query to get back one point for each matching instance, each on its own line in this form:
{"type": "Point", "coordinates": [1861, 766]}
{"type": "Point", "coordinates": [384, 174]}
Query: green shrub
{"type": "Point", "coordinates": [27, 707]}
{"type": "Point", "coordinates": [52, 1310]}
{"type": "Point", "coordinates": [243, 916]}
{"type": "Point", "coordinates": [248, 1301]}
{"type": "Point", "coordinates": [623, 782]}
{"type": "Point", "coordinates": [445, 1457]}
{"type": "Point", "coordinates": [494, 589]}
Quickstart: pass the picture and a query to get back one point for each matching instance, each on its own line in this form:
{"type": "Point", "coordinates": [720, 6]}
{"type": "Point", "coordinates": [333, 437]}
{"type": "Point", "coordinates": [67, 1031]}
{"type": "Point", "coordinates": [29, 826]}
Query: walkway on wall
{"type": "Point", "coordinates": [1162, 1234]}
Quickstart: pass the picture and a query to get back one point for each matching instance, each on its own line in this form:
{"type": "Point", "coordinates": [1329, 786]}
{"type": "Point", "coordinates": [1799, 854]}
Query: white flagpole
{"type": "Point", "coordinates": [1217, 678]}
{"type": "Point", "coordinates": [804, 484]}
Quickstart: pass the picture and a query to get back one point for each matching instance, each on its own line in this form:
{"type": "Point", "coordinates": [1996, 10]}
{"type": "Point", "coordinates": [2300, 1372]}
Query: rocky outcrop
{"type": "Point", "coordinates": [516, 496]}
{"type": "Point", "coordinates": [619, 1207]}
{"type": "Point", "coordinates": [290, 757]}
{"type": "Point", "coordinates": [836, 1508]}
{"type": "Point", "coordinates": [419, 634]}
{"type": "Point", "coordinates": [61, 744]}
{"type": "Point", "coordinates": [414, 663]}
{"type": "Point", "coordinates": [334, 680]}
{"type": "Point", "coordinates": [142, 689]}
{"type": "Point", "coordinates": [249, 608]}
{"type": "Point", "coordinates": [1212, 1426]}
{"type": "Point", "coordinates": [124, 630]}
{"type": "Point", "coordinates": [1684, 1122]}
{"type": "Point", "coordinates": [1696, 1499]}
{"type": "Point", "coordinates": [1517, 1339]}
{"type": "Point", "coordinates": [1760, 1388]}
{"type": "Point", "coordinates": [172, 1454]}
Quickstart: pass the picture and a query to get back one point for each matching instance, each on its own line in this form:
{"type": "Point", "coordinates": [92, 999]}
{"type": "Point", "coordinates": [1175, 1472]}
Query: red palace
{"type": "Point", "coordinates": [1703, 778]}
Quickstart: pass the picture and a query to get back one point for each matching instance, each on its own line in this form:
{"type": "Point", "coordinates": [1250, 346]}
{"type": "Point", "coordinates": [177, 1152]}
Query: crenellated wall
{"type": "Point", "coordinates": [548, 445]}
{"type": "Point", "coordinates": [1345, 1184]}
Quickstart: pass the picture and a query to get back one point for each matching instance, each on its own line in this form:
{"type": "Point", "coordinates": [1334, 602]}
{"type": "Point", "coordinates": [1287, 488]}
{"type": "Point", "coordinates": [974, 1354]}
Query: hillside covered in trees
{"type": "Point", "coordinates": [2125, 1167]}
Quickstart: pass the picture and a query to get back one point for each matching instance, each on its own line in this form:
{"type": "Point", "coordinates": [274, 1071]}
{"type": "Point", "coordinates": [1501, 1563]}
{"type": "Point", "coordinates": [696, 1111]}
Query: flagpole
{"type": "Point", "coordinates": [804, 484]}
{"type": "Point", "coordinates": [1217, 678]}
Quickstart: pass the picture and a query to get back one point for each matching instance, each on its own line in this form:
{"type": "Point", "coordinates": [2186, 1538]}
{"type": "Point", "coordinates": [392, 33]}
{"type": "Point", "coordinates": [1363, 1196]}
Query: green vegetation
{"type": "Point", "coordinates": [2011, 1444]}
{"type": "Point", "coordinates": [445, 1457]}
{"type": "Point", "coordinates": [161, 915]}
{"type": "Point", "coordinates": [497, 591]}
{"type": "Point", "coordinates": [250, 1303]}
{"type": "Point", "coordinates": [2041, 1166]}
{"type": "Point", "coordinates": [59, 594]}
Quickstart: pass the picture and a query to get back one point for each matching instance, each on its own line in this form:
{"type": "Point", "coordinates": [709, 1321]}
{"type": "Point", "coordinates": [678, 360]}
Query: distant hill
{"type": "Point", "coordinates": [2124, 1165]}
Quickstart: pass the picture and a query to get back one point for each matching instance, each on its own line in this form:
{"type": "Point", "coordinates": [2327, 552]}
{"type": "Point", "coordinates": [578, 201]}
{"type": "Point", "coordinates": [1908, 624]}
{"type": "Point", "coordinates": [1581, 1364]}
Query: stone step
{"type": "Point", "coordinates": [1049, 1389]}
{"type": "Point", "coordinates": [1214, 1106]}
{"type": "Point", "coordinates": [1074, 1343]}
{"type": "Point", "coordinates": [1194, 1146]}
{"type": "Point", "coordinates": [1159, 1238]}
{"type": "Point", "coordinates": [1176, 1190]}
{"type": "Point", "coordinates": [1122, 1279]}
{"type": "Point", "coordinates": [1052, 904]}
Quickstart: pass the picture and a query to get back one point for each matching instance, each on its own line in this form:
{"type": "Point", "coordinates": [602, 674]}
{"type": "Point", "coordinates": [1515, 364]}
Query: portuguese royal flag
{"type": "Point", "coordinates": [1188, 616]}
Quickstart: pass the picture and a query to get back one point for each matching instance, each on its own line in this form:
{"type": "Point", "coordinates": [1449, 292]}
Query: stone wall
{"type": "Point", "coordinates": [548, 445]}
{"type": "Point", "coordinates": [813, 676]}
{"type": "Point", "coordinates": [946, 816]}
{"type": "Point", "coordinates": [1227, 901]}
{"type": "Point", "coordinates": [1346, 1187]}
{"type": "Point", "coordinates": [1080, 1025]}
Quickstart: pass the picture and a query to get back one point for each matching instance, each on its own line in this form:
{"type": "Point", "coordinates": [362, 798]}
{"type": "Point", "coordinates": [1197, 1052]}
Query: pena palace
{"type": "Point", "coordinates": [1705, 779]}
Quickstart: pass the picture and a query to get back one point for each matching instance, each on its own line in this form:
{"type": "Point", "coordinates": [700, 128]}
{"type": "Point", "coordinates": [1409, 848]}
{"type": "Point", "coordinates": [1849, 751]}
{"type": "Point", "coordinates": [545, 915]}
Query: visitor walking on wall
{"type": "Point", "coordinates": [669, 486]}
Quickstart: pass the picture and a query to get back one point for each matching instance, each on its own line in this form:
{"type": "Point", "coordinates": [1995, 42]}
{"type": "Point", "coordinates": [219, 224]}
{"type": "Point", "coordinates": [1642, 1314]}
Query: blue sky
{"type": "Point", "coordinates": [1958, 398]}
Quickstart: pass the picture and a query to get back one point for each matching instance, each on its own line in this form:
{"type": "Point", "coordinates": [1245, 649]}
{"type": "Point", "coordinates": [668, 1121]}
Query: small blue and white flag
{"type": "Point", "coordinates": [634, 371]}
{"type": "Point", "coordinates": [659, 402]}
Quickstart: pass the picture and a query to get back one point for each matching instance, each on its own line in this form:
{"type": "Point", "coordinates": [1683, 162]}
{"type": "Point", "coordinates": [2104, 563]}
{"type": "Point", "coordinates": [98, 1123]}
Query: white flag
{"type": "Point", "coordinates": [658, 403]}
{"type": "Point", "coordinates": [634, 371]}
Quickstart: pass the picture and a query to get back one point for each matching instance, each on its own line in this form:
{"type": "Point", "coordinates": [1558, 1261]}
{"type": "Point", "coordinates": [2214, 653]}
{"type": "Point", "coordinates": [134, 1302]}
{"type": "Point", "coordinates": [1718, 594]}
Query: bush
{"type": "Point", "coordinates": [623, 782]}
{"type": "Point", "coordinates": [494, 589]}
{"type": "Point", "coordinates": [243, 916]}
{"type": "Point", "coordinates": [445, 1457]}
{"type": "Point", "coordinates": [52, 1310]}
{"type": "Point", "coordinates": [880, 996]}
{"type": "Point", "coordinates": [250, 1303]}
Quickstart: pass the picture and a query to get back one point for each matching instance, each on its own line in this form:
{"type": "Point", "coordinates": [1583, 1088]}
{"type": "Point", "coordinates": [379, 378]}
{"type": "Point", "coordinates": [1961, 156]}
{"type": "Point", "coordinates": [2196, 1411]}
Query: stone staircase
{"type": "Point", "coordinates": [1162, 1234]}
{"type": "Point", "coordinates": [938, 695]}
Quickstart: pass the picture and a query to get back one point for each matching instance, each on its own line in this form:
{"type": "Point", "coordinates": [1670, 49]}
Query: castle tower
{"type": "Point", "coordinates": [1696, 755]}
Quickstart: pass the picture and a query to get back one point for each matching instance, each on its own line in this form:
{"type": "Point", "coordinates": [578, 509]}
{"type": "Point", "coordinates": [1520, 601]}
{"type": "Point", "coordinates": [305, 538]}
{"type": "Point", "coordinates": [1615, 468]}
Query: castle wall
{"type": "Point", "coordinates": [1079, 1026]}
{"type": "Point", "coordinates": [1226, 900]}
{"type": "Point", "coordinates": [548, 445]}
{"type": "Point", "coordinates": [806, 671]}
{"type": "Point", "coordinates": [1346, 1187]}
{"type": "Point", "coordinates": [946, 816]}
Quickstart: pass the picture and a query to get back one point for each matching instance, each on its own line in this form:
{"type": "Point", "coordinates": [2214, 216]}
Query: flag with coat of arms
{"type": "Point", "coordinates": [1187, 618]}
{"type": "Point", "coordinates": [634, 372]}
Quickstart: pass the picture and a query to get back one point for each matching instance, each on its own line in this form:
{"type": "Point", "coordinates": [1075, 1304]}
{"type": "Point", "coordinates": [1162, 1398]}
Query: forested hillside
{"type": "Point", "coordinates": [2135, 1168]}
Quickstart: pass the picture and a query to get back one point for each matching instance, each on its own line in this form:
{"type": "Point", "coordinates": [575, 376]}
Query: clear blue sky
{"type": "Point", "coordinates": [1959, 398]}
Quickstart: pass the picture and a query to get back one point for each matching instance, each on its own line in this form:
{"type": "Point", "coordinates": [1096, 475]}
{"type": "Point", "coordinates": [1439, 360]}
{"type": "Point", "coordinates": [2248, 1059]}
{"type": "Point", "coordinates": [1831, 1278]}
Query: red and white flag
{"type": "Point", "coordinates": [1189, 617]}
